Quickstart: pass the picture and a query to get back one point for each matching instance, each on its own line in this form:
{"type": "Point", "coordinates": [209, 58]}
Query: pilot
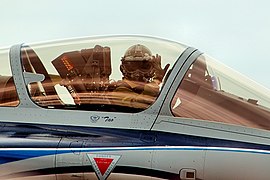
{"type": "Point", "coordinates": [142, 74]}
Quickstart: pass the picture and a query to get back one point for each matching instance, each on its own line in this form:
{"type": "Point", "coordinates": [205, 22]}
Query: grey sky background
{"type": "Point", "coordinates": [236, 32]}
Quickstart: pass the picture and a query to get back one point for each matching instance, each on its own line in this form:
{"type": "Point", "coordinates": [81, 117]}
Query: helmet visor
{"type": "Point", "coordinates": [137, 65]}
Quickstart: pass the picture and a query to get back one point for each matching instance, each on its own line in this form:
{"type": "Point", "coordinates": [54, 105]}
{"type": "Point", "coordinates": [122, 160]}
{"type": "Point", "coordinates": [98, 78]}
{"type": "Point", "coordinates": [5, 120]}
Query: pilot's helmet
{"type": "Point", "coordinates": [136, 64]}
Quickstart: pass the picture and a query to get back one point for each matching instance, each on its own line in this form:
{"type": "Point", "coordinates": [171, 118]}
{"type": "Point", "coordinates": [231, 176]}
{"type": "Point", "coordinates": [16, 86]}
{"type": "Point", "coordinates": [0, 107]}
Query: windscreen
{"type": "Point", "coordinates": [212, 91]}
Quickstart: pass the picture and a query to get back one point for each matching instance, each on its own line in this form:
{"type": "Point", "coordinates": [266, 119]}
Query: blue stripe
{"type": "Point", "coordinates": [106, 139]}
{"type": "Point", "coordinates": [18, 154]}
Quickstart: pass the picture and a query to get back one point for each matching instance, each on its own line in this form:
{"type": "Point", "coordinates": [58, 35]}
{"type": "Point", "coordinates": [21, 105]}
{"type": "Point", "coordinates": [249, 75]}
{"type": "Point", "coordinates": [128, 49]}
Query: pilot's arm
{"type": "Point", "coordinates": [137, 95]}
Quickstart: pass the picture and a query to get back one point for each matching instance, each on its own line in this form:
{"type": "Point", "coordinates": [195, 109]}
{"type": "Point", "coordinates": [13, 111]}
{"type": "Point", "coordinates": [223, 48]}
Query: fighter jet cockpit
{"type": "Point", "coordinates": [127, 74]}
{"type": "Point", "coordinates": [122, 74]}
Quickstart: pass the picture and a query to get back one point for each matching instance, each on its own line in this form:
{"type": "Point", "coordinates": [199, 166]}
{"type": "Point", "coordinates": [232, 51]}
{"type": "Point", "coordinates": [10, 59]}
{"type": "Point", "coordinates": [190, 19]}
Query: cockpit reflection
{"type": "Point", "coordinates": [85, 75]}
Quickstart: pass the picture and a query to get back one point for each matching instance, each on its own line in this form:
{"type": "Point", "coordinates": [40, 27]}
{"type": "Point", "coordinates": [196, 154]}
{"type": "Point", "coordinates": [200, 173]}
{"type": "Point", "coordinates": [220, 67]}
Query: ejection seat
{"type": "Point", "coordinates": [85, 74]}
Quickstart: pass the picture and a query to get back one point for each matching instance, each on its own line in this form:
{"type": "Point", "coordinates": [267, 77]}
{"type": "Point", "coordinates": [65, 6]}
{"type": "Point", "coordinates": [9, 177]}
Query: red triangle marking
{"type": "Point", "coordinates": [103, 164]}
